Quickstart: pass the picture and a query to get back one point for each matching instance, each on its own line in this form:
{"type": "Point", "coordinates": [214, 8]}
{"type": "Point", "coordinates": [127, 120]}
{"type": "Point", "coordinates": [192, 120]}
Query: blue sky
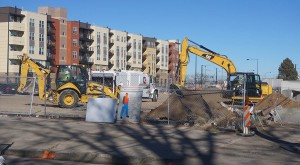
{"type": "Point", "coordinates": [267, 30]}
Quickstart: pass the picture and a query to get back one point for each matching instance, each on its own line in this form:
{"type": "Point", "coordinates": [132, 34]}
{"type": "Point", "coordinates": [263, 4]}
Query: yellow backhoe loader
{"type": "Point", "coordinates": [70, 87]}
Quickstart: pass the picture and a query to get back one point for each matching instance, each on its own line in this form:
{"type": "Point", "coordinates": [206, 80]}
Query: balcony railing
{"type": "Point", "coordinates": [16, 40]}
{"type": "Point", "coordinates": [16, 26]}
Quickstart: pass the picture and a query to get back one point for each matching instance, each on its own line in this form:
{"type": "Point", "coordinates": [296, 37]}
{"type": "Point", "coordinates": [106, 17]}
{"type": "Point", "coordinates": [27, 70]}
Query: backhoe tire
{"type": "Point", "coordinates": [155, 96]}
{"type": "Point", "coordinates": [68, 99]}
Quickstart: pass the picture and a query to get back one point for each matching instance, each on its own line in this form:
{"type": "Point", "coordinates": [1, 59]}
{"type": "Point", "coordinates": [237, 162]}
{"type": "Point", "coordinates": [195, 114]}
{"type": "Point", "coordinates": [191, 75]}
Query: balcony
{"type": "Point", "coordinates": [50, 44]}
{"type": "Point", "coordinates": [14, 40]}
{"type": "Point", "coordinates": [86, 61]}
{"type": "Point", "coordinates": [128, 56]}
{"type": "Point", "coordinates": [86, 37]}
{"type": "Point", "coordinates": [144, 57]}
{"type": "Point", "coordinates": [144, 47]}
{"type": "Point", "coordinates": [50, 31]}
{"type": "Point", "coordinates": [129, 45]}
{"type": "Point", "coordinates": [111, 54]}
{"type": "Point", "coordinates": [111, 62]}
{"type": "Point", "coordinates": [144, 66]}
{"type": "Point", "coordinates": [111, 42]}
{"type": "Point", "coordinates": [90, 49]}
{"type": "Point", "coordinates": [16, 26]}
{"type": "Point", "coordinates": [157, 50]}
{"type": "Point", "coordinates": [157, 59]}
{"type": "Point", "coordinates": [111, 33]}
{"type": "Point", "coordinates": [15, 54]}
{"type": "Point", "coordinates": [156, 43]}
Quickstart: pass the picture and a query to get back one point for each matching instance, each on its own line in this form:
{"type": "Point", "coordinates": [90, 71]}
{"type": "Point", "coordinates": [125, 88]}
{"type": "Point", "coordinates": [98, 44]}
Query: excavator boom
{"type": "Point", "coordinates": [202, 52]}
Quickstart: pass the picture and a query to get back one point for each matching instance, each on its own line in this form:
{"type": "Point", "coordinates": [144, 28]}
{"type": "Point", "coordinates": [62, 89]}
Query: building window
{"type": "Point", "coordinates": [134, 55]}
{"type": "Point", "coordinates": [41, 24]}
{"type": "Point", "coordinates": [98, 56]}
{"type": "Point", "coordinates": [74, 42]}
{"type": "Point", "coordinates": [41, 38]}
{"type": "Point", "coordinates": [31, 22]}
{"type": "Point", "coordinates": [74, 53]}
{"type": "Point", "coordinates": [134, 44]}
{"type": "Point", "coordinates": [41, 50]}
{"type": "Point", "coordinates": [118, 38]}
{"type": "Point", "coordinates": [63, 33]}
{"type": "Point", "coordinates": [63, 45]}
{"type": "Point", "coordinates": [104, 54]}
{"type": "Point", "coordinates": [97, 67]}
{"type": "Point", "coordinates": [31, 50]}
{"type": "Point", "coordinates": [104, 38]}
{"type": "Point", "coordinates": [75, 31]}
{"type": "Point", "coordinates": [31, 36]}
{"type": "Point", "coordinates": [140, 45]}
{"type": "Point", "coordinates": [118, 52]}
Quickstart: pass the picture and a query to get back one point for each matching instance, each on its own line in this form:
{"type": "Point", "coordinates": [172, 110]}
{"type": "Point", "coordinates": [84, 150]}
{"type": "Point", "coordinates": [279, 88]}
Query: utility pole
{"type": "Point", "coordinates": [216, 76]}
{"type": "Point", "coordinates": [195, 72]}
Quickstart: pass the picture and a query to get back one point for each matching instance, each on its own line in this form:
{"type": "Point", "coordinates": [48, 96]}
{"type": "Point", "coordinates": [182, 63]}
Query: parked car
{"type": "Point", "coordinates": [8, 88]}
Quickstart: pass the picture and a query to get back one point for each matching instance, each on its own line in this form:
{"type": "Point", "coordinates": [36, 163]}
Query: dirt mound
{"type": "Point", "coordinates": [192, 107]}
{"type": "Point", "coordinates": [274, 100]}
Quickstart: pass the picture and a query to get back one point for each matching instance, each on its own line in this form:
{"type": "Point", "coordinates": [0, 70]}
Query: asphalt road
{"type": "Point", "coordinates": [83, 142]}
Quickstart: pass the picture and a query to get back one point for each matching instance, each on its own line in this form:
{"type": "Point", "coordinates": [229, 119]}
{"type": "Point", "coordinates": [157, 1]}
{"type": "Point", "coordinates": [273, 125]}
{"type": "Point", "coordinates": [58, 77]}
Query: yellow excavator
{"type": "Point", "coordinates": [71, 84]}
{"type": "Point", "coordinates": [254, 90]}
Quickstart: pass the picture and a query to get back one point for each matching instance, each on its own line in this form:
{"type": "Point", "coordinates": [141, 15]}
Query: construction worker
{"type": "Point", "coordinates": [125, 106]}
{"type": "Point", "coordinates": [66, 76]}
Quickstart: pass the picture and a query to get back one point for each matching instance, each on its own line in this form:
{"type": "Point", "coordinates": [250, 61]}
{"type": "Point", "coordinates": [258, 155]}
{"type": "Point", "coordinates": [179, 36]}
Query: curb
{"type": "Point", "coordinates": [93, 157]}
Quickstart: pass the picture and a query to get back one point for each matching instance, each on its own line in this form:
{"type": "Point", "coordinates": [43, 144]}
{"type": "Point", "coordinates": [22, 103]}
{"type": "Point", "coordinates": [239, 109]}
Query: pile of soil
{"type": "Point", "coordinates": [199, 108]}
{"type": "Point", "coordinates": [275, 99]}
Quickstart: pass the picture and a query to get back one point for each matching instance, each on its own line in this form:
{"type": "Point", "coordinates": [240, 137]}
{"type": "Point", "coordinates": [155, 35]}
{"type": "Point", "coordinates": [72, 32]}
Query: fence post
{"type": "Point", "coordinates": [45, 80]}
{"type": "Point", "coordinates": [32, 94]}
{"type": "Point", "coordinates": [168, 89]}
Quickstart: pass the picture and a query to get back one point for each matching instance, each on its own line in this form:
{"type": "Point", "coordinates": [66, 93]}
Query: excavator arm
{"type": "Point", "coordinates": [40, 71]}
{"type": "Point", "coordinates": [204, 53]}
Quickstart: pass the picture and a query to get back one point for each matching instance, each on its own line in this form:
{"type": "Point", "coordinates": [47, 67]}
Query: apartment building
{"type": "Point", "coordinates": [21, 32]}
{"type": "Point", "coordinates": [48, 37]}
{"type": "Point", "coordinates": [149, 51]}
{"type": "Point", "coordinates": [35, 36]}
{"type": "Point", "coordinates": [163, 62]}
{"type": "Point", "coordinates": [101, 47]}
{"type": "Point", "coordinates": [11, 38]}
{"type": "Point", "coordinates": [118, 51]}
{"type": "Point", "coordinates": [174, 50]}
{"type": "Point", "coordinates": [134, 48]}
{"type": "Point", "coordinates": [57, 34]}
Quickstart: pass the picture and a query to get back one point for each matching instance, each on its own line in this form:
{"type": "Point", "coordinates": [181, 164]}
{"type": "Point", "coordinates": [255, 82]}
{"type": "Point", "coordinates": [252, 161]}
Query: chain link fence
{"type": "Point", "coordinates": [195, 105]}
{"type": "Point", "coordinates": [14, 102]}
{"type": "Point", "coordinates": [203, 106]}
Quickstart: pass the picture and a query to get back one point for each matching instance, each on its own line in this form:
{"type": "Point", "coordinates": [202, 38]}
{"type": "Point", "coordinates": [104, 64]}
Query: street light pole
{"type": "Point", "coordinates": [195, 72]}
{"type": "Point", "coordinates": [256, 64]}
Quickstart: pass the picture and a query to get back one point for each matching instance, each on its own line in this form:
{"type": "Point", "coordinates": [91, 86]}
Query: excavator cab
{"type": "Point", "coordinates": [253, 86]}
